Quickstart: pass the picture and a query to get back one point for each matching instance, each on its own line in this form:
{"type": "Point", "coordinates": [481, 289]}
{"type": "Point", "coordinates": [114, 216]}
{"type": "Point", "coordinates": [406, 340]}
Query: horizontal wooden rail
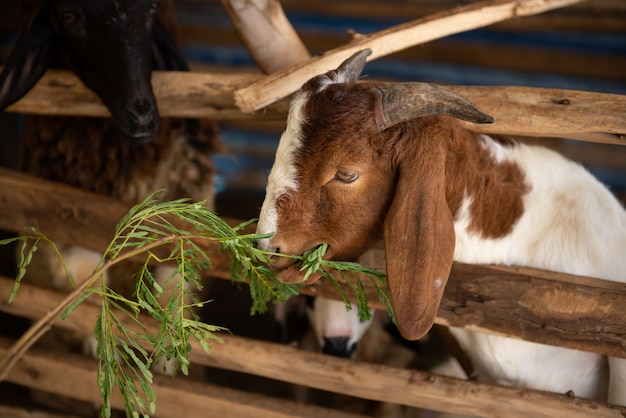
{"type": "Point", "coordinates": [74, 377]}
{"type": "Point", "coordinates": [369, 381]}
{"type": "Point", "coordinates": [540, 306]}
{"type": "Point", "coordinates": [525, 111]}
{"type": "Point", "coordinates": [179, 94]}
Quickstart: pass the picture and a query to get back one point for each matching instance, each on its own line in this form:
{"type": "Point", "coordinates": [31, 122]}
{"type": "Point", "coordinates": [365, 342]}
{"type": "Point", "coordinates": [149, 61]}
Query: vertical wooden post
{"type": "Point", "coordinates": [265, 30]}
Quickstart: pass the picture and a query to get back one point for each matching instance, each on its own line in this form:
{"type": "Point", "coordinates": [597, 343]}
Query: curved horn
{"type": "Point", "coordinates": [398, 102]}
{"type": "Point", "coordinates": [351, 68]}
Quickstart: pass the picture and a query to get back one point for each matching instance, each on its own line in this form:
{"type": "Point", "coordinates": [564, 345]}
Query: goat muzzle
{"type": "Point", "coordinates": [288, 271]}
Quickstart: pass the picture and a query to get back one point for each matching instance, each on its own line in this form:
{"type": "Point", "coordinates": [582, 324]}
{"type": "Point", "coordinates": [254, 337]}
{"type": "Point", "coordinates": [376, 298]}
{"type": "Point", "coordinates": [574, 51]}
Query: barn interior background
{"type": "Point", "coordinates": [581, 47]}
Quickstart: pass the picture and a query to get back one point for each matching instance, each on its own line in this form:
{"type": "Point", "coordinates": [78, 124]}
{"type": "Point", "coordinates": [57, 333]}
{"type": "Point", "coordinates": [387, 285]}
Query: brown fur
{"type": "Point", "coordinates": [412, 181]}
{"type": "Point", "coordinates": [89, 154]}
{"type": "Point", "coordinates": [330, 202]}
{"type": "Point", "coordinates": [496, 189]}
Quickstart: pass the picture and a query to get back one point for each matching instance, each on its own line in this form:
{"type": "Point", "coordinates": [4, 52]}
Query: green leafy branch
{"type": "Point", "coordinates": [351, 273]}
{"type": "Point", "coordinates": [123, 359]}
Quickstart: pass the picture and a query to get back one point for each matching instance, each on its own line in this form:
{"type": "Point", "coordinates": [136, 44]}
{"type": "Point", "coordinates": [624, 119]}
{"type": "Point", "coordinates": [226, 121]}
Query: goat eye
{"type": "Point", "coordinates": [68, 18]}
{"type": "Point", "coordinates": [346, 176]}
{"type": "Point", "coordinates": [153, 7]}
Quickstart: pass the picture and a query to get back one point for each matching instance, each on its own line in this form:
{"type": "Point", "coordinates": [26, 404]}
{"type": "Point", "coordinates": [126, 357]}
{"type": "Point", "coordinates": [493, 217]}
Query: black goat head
{"type": "Point", "coordinates": [111, 45]}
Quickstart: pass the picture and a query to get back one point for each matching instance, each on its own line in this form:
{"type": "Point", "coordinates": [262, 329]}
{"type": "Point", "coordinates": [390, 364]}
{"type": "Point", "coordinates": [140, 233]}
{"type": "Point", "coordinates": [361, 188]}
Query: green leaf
{"type": "Point", "coordinates": [120, 334]}
{"type": "Point", "coordinates": [77, 302]}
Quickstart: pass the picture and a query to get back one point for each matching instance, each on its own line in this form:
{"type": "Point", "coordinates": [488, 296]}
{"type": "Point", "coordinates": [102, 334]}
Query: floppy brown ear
{"type": "Point", "coordinates": [419, 241]}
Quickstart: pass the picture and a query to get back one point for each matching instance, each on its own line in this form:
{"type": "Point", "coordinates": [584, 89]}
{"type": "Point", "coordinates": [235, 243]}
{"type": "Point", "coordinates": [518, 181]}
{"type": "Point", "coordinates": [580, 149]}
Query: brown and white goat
{"type": "Point", "coordinates": [363, 161]}
{"type": "Point", "coordinates": [113, 46]}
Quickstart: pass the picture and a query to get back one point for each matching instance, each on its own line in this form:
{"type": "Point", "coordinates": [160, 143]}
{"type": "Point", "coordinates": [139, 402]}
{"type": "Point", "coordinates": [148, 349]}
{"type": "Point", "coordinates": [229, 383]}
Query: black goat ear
{"type": "Point", "coordinates": [28, 61]}
{"type": "Point", "coordinates": [165, 53]}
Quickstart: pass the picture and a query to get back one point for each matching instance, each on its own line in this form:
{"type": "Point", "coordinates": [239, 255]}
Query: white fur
{"type": "Point", "coordinates": [329, 318]}
{"type": "Point", "coordinates": [587, 224]}
{"type": "Point", "coordinates": [587, 229]}
{"type": "Point", "coordinates": [282, 178]}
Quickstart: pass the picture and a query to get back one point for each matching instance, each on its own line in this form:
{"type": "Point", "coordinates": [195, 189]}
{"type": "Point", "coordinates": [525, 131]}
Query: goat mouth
{"type": "Point", "coordinates": [289, 270]}
{"type": "Point", "coordinates": [141, 138]}
{"type": "Point", "coordinates": [294, 274]}
{"type": "Point", "coordinates": [138, 133]}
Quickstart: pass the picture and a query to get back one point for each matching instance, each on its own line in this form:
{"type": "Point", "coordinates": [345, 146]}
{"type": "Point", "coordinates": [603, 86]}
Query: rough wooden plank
{"type": "Point", "coordinates": [22, 412]}
{"type": "Point", "coordinates": [73, 376]}
{"type": "Point", "coordinates": [557, 113]}
{"type": "Point", "coordinates": [69, 215]}
{"type": "Point", "coordinates": [179, 94]}
{"type": "Point", "coordinates": [264, 28]}
{"type": "Point", "coordinates": [388, 41]}
{"type": "Point", "coordinates": [508, 301]}
{"type": "Point", "coordinates": [569, 311]}
{"type": "Point", "coordinates": [369, 381]}
{"type": "Point", "coordinates": [507, 56]}
{"type": "Point", "coordinates": [543, 306]}
{"type": "Point", "coordinates": [588, 116]}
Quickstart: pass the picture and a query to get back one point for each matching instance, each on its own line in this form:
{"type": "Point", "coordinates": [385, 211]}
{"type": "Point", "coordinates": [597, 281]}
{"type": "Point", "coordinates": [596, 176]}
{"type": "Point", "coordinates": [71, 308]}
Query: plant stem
{"type": "Point", "coordinates": [40, 327]}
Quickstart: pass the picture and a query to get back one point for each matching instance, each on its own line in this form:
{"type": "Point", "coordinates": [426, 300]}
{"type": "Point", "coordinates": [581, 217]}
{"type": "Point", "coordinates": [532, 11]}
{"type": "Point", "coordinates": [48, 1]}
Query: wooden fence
{"type": "Point", "coordinates": [516, 302]}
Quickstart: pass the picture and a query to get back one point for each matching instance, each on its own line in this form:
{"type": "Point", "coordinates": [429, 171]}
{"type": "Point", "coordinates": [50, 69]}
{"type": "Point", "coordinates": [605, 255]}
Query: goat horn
{"type": "Point", "coordinates": [398, 102]}
{"type": "Point", "coordinates": [352, 67]}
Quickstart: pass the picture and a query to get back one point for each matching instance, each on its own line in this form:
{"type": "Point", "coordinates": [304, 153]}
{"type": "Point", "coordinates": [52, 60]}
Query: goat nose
{"type": "Point", "coordinates": [142, 112]}
{"type": "Point", "coordinates": [338, 346]}
{"type": "Point", "coordinates": [265, 244]}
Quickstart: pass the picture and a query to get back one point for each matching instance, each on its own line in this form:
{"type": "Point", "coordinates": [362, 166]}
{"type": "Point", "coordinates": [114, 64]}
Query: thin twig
{"type": "Point", "coordinates": [40, 327]}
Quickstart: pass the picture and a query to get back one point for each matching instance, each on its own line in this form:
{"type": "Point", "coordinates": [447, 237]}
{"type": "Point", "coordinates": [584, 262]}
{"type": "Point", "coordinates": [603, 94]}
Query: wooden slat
{"type": "Point", "coordinates": [179, 94]}
{"type": "Point", "coordinates": [22, 412]}
{"type": "Point", "coordinates": [527, 111]}
{"type": "Point", "coordinates": [73, 376]}
{"type": "Point", "coordinates": [507, 301]}
{"type": "Point", "coordinates": [484, 55]}
{"type": "Point", "coordinates": [264, 28]}
{"type": "Point", "coordinates": [558, 113]}
{"type": "Point", "coordinates": [480, 14]}
{"type": "Point", "coordinates": [369, 381]}
{"type": "Point", "coordinates": [69, 215]}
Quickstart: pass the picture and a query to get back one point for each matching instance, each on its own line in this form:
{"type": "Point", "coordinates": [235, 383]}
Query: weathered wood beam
{"type": "Point", "coordinates": [597, 15]}
{"type": "Point", "coordinates": [488, 55]}
{"type": "Point", "coordinates": [27, 411]}
{"type": "Point", "coordinates": [179, 94]}
{"type": "Point", "coordinates": [480, 14]}
{"type": "Point", "coordinates": [264, 28]}
{"type": "Point", "coordinates": [369, 381]}
{"type": "Point", "coordinates": [526, 111]}
{"type": "Point", "coordinates": [73, 376]}
{"type": "Point", "coordinates": [558, 113]}
{"type": "Point", "coordinates": [546, 307]}
{"type": "Point", "coordinates": [70, 215]}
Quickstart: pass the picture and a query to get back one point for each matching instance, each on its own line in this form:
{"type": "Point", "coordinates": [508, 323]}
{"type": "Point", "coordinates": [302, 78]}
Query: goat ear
{"type": "Point", "coordinates": [419, 242]}
{"type": "Point", "coordinates": [30, 58]}
{"type": "Point", "coordinates": [350, 70]}
{"type": "Point", "coordinates": [165, 53]}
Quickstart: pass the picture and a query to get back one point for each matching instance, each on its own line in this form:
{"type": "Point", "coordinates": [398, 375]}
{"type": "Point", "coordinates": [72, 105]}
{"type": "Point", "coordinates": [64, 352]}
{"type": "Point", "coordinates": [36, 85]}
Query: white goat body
{"type": "Point", "coordinates": [363, 160]}
{"type": "Point", "coordinates": [572, 224]}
